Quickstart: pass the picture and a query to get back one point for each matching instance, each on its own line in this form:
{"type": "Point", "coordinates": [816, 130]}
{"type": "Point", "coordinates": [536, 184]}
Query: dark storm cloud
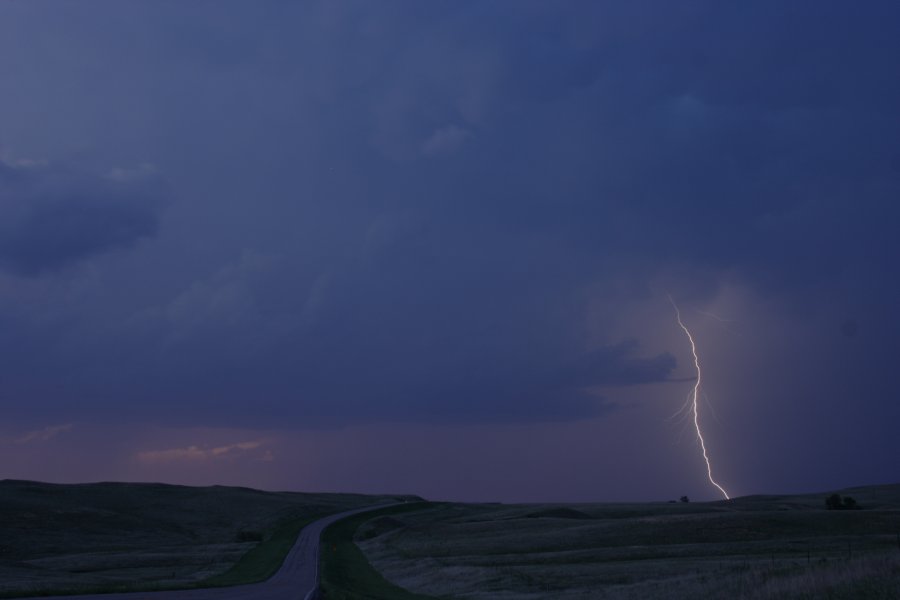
{"type": "Point", "coordinates": [364, 346]}
{"type": "Point", "coordinates": [617, 365]}
{"type": "Point", "coordinates": [414, 210]}
{"type": "Point", "coordinates": [51, 217]}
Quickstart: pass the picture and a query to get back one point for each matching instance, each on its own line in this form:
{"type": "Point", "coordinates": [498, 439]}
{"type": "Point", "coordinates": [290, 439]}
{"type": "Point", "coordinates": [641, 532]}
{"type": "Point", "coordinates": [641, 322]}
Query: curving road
{"type": "Point", "coordinates": [297, 579]}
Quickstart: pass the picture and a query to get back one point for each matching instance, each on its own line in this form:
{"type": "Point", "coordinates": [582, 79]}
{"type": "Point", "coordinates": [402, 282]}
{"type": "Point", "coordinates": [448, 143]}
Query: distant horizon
{"type": "Point", "coordinates": [462, 501]}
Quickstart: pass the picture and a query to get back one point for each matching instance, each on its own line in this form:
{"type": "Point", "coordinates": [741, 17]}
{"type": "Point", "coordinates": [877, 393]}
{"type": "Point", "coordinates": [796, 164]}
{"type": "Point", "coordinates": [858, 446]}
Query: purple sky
{"type": "Point", "coordinates": [425, 247]}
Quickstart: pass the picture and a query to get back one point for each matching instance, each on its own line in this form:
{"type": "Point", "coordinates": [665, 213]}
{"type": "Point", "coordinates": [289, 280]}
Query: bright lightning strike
{"type": "Point", "coordinates": [694, 401]}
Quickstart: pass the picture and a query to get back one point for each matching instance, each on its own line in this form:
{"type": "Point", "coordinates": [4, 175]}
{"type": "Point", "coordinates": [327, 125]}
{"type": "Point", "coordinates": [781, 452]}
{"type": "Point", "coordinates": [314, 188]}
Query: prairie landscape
{"type": "Point", "coordinates": [129, 536]}
{"type": "Point", "coordinates": [521, 251]}
{"type": "Point", "coordinates": [752, 547]}
{"type": "Point", "coordinates": [121, 537]}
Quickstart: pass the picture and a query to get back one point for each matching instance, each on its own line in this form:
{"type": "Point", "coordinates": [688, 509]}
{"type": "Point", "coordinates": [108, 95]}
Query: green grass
{"type": "Point", "coordinates": [127, 537]}
{"type": "Point", "coordinates": [345, 572]}
{"type": "Point", "coordinates": [92, 538]}
{"type": "Point", "coordinates": [265, 558]}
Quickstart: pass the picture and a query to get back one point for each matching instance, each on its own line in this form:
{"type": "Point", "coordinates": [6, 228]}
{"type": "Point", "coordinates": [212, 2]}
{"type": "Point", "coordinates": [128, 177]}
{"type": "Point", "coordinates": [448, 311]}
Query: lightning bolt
{"type": "Point", "coordinates": [693, 399]}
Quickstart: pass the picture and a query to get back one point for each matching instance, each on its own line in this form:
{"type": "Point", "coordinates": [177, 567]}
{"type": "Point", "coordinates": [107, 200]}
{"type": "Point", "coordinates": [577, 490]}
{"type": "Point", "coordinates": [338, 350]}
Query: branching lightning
{"type": "Point", "coordinates": [693, 399]}
{"type": "Point", "coordinates": [714, 316]}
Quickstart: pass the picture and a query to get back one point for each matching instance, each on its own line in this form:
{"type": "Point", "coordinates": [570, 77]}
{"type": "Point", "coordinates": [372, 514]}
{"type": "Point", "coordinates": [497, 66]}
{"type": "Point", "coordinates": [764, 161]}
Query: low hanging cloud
{"type": "Point", "coordinates": [41, 435]}
{"type": "Point", "coordinates": [616, 365]}
{"type": "Point", "coordinates": [52, 217]}
{"type": "Point", "coordinates": [200, 454]}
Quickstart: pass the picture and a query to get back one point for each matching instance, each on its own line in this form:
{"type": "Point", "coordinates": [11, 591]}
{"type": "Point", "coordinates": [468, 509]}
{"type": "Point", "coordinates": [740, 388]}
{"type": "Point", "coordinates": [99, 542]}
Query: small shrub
{"type": "Point", "coordinates": [684, 499]}
{"type": "Point", "coordinates": [835, 502]}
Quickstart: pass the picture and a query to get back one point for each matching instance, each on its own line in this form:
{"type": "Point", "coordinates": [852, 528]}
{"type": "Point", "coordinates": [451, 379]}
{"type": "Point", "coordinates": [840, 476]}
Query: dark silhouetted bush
{"type": "Point", "coordinates": [685, 499]}
{"type": "Point", "coordinates": [835, 502]}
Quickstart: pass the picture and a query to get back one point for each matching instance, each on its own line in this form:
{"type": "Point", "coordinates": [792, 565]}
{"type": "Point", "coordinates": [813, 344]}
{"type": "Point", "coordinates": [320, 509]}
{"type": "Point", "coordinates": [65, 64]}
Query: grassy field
{"type": "Point", "coordinates": [758, 547]}
{"type": "Point", "coordinates": [105, 537]}
{"type": "Point", "coordinates": [118, 536]}
{"type": "Point", "coordinates": [264, 559]}
{"type": "Point", "coordinates": [345, 572]}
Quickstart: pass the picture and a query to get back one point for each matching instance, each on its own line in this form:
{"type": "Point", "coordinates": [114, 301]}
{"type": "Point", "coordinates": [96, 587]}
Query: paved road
{"type": "Point", "coordinates": [296, 579]}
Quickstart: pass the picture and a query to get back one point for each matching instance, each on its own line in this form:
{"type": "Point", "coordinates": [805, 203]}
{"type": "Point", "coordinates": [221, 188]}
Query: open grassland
{"type": "Point", "coordinates": [345, 572]}
{"type": "Point", "coordinates": [758, 547]}
{"type": "Point", "coordinates": [264, 559]}
{"type": "Point", "coordinates": [122, 537]}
